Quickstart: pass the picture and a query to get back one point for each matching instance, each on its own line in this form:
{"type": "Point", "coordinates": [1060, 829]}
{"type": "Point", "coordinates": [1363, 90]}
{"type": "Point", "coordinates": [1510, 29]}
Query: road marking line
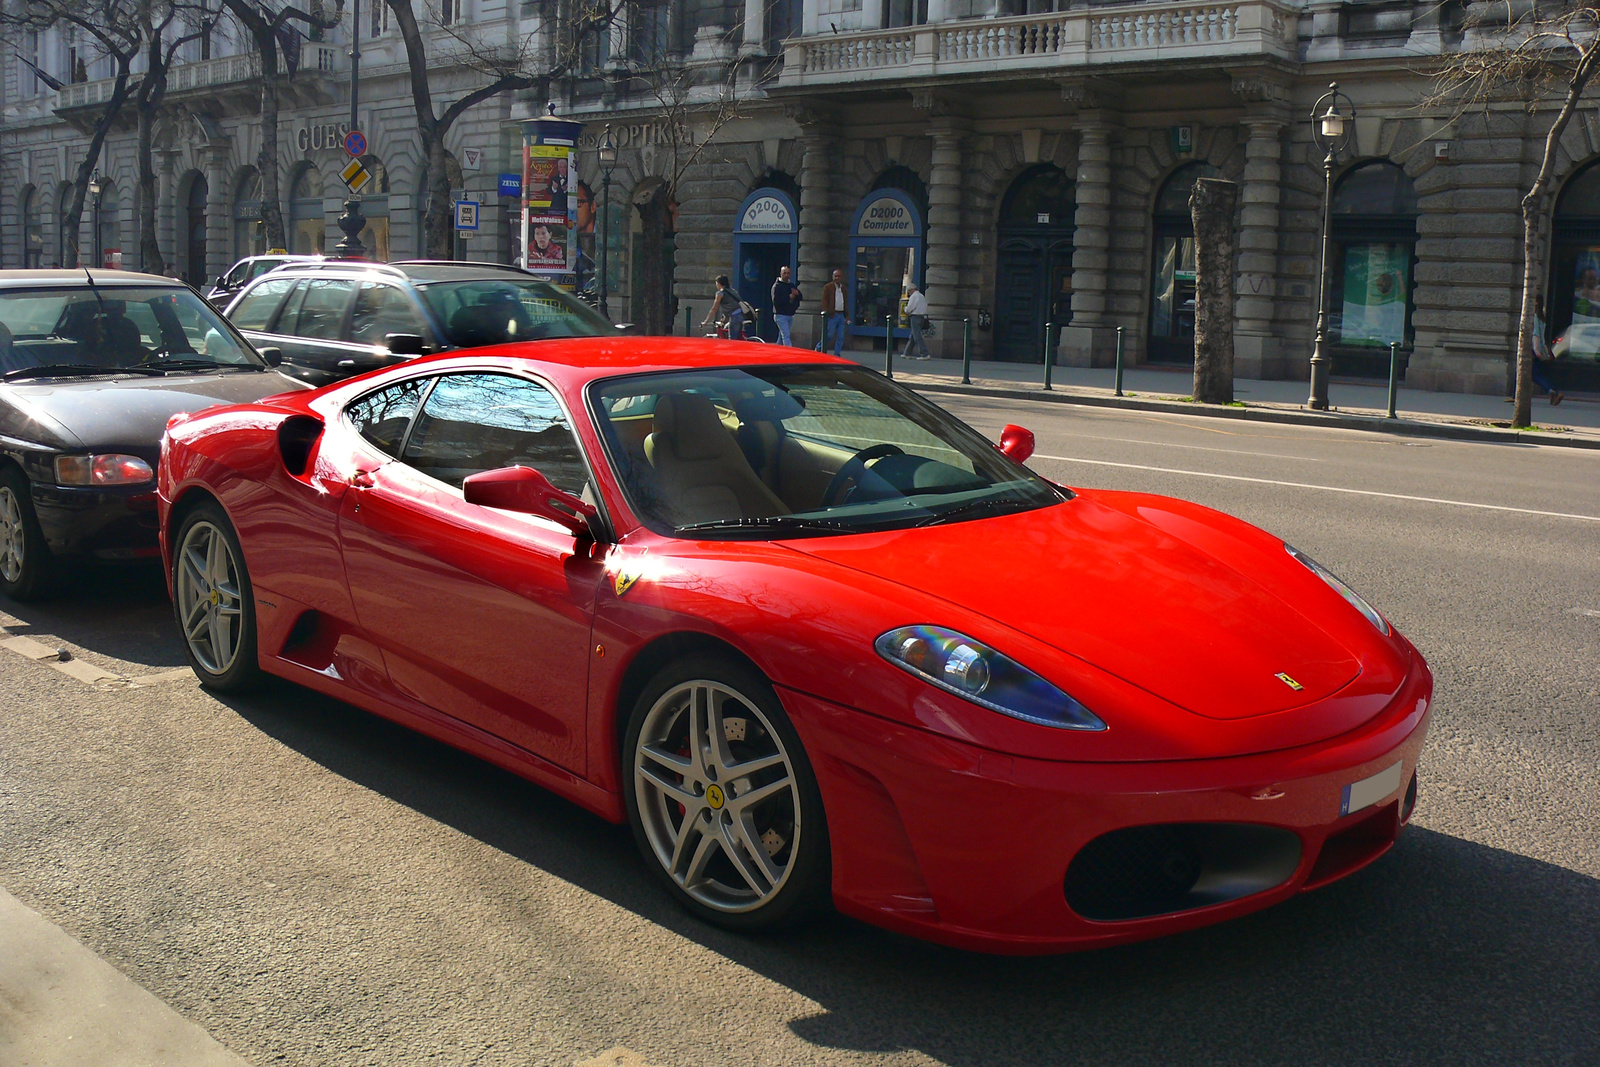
{"type": "Point", "coordinates": [1198, 448]}
{"type": "Point", "coordinates": [1590, 612]}
{"type": "Point", "coordinates": [614, 1057]}
{"type": "Point", "coordinates": [27, 646]}
{"type": "Point", "coordinates": [177, 674]}
{"type": "Point", "coordinates": [85, 672]}
{"type": "Point", "coordinates": [1325, 488]}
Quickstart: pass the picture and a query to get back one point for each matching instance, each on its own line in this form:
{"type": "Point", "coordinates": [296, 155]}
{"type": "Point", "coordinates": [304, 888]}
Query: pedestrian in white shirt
{"type": "Point", "coordinates": [917, 312]}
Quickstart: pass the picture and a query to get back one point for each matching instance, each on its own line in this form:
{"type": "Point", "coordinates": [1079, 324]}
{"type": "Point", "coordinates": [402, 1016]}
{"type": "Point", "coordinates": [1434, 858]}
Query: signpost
{"type": "Point", "coordinates": [355, 144]}
{"type": "Point", "coordinates": [471, 159]}
{"type": "Point", "coordinates": [355, 176]}
{"type": "Point", "coordinates": [511, 185]}
{"type": "Point", "coordinates": [467, 214]}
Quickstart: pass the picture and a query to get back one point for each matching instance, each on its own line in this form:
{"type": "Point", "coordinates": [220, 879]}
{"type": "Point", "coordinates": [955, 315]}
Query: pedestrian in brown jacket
{"type": "Point", "coordinates": [833, 305]}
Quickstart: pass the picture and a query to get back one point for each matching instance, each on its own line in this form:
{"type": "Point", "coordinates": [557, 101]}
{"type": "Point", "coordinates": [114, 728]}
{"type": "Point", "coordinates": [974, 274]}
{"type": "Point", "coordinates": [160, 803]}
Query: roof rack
{"type": "Point", "coordinates": [340, 264]}
{"type": "Point", "coordinates": [461, 263]}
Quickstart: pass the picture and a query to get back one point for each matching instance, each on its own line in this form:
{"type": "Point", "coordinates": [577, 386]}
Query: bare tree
{"type": "Point", "coordinates": [264, 26]}
{"type": "Point", "coordinates": [1211, 205]}
{"type": "Point", "coordinates": [114, 27]}
{"type": "Point", "coordinates": [501, 65]}
{"type": "Point", "coordinates": [160, 47]}
{"type": "Point", "coordinates": [1541, 54]}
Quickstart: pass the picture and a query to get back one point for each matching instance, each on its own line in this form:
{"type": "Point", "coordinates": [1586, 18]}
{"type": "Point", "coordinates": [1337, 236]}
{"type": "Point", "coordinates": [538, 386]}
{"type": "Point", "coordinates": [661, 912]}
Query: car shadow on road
{"type": "Point", "coordinates": [1444, 951]}
{"type": "Point", "coordinates": [120, 611]}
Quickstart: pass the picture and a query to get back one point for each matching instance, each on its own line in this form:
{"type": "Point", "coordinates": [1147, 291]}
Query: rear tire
{"type": "Point", "coordinates": [722, 799]}
{"type": "Point", "coordinates": [213, 601]}
{"type": "Point", "coordinates": [27, 569]}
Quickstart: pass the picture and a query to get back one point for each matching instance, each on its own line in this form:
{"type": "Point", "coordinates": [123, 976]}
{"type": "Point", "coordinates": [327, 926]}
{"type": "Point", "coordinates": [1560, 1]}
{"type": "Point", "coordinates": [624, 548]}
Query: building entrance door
{"type": "Point", "coordinates": [1035, 287]}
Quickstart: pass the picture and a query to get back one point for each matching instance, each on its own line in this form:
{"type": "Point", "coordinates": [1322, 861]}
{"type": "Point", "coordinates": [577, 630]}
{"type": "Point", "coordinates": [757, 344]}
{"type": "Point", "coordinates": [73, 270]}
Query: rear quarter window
{"type": "Point", "coordinates": [255, 309]}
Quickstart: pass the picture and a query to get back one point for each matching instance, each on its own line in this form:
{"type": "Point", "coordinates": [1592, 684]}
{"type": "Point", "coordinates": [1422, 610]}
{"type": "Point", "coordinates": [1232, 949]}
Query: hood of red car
{"type": "Point", "coordinates": [1206, 630]}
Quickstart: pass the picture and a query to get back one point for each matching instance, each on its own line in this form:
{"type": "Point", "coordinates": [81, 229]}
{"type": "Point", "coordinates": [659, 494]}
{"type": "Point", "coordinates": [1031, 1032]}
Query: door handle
{"type": "Point", "coordinates": [347, 363]}
{"type": "Point", "coordinates": [362, 479]}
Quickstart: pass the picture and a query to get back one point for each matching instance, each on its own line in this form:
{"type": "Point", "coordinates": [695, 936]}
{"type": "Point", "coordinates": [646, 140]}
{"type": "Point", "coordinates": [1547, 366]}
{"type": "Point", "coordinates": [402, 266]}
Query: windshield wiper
{"type": "Point", "coordinates": [72, 370]}
{"type": "Point", "coordinates": [770, 522]}
{"type": "Point", "coordinates": [186, 364]}
{"type": "Point", "coordinates": [1003, 505]}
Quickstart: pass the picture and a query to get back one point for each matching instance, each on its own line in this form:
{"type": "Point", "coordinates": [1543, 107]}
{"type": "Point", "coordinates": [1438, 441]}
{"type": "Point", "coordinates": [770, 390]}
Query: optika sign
{"type": "Point", "coordinates": [326, 135]}
{"type": "Point", "coordinates": [887, 217]}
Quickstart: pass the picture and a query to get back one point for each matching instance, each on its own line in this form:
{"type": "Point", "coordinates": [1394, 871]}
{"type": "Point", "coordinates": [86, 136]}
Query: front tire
{"type": "Point", "coordinates": [27, 569]}
{"type": "Point", "coordinates": [722, 799]}
{"type": "Point", "coordinates": [213, 601]}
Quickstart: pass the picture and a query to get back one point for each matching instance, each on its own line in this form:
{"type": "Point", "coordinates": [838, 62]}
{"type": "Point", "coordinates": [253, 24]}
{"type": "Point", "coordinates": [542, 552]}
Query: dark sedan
{"type": "Point", "coordinates": [92, 365]}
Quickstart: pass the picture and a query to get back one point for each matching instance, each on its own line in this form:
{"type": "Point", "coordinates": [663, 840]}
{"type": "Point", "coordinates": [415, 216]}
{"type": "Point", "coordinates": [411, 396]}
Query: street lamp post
{"type": "Point", "coordinates": [608, 162]}
{"type": "Point", "coordinates": [352, 222]}
{"type": "Point", "coordinates": [1331, 131]}
{"type": "Point", "coordinates": [97, 185]}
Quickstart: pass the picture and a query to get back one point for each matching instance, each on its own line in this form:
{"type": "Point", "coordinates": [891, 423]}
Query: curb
{"type": "Point", "coordinates": [1336, 420]}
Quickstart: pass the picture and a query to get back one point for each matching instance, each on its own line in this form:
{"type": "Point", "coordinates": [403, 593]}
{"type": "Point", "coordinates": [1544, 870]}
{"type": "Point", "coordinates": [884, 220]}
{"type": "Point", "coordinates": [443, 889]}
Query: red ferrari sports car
{"type": "Point", "coordinates": [813, 638]}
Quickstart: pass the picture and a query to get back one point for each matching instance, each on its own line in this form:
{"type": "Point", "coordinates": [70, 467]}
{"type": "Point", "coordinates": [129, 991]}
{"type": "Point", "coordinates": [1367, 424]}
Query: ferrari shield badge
{"type": "Point", "coordinates": [627, 574]}
{"type": "Point", "coordinates": [1284, 678]}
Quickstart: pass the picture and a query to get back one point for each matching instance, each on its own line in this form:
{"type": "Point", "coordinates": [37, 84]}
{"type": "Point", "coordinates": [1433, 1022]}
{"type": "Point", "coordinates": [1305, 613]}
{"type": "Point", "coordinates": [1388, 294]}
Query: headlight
{"type": "Point", "coordinates": [102, 470]}
{"type": "Point", "coordinates": [1339, 587]}
{"type": "Point", "coordinates": [972, 670]}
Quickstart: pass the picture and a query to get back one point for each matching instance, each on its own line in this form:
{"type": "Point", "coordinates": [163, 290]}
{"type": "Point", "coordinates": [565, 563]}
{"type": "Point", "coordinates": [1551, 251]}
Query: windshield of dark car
{"type": "Point", "coordinates": [113, 328]}
{"type": "Point", "coordinates": [798, 451]}
{"type": "Point", "coordinates": [494, 311]}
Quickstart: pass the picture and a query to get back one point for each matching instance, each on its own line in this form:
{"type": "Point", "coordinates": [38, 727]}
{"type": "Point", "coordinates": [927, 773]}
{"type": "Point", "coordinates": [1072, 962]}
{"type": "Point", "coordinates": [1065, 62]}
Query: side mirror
{"type": "Point", "coordinates": [405, 344]}
{"type": "Point", "coordinates": [526, 490]}
{"type": "Point", "coordinates": [1016, 443]}
{"type": "Point", "coordinates": [271, 355]}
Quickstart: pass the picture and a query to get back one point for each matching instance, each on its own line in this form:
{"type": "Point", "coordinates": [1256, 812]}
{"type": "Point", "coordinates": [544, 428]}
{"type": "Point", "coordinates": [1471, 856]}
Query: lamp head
{"type": "Point", "coordinates": [97, 184]}
{"type": "Point", "coordinates": [1332, 122]}
{"type": "Point", "coordinates": [608, 149]}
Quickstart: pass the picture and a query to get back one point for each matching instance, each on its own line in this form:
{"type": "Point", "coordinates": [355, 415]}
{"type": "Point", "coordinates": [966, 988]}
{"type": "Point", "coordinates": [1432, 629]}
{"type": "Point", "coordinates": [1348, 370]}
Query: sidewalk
{"type": "Point", "coordinates": [1359, 406]}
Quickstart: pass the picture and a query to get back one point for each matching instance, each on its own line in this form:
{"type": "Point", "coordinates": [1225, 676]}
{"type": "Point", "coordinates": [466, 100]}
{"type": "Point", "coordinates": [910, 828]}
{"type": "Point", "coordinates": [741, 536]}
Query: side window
{"type": "Point", "coordinates": [320, 314]}
{"type": "Point", "coordinates": [381, 310]}
{"type": "Point", "coordinates": [480, 422]}
{"type": "Point", "coordinates": [255, 309]}
{"type": "Point", "coordinates": [382, 417]}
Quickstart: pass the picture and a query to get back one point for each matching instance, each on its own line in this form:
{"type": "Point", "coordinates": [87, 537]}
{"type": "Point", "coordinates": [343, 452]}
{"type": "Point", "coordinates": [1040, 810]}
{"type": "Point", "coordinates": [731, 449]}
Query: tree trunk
{"type": "Point", "coordinates": [267, 161]}
{"type": "Point", "coordinates": [150, 260]}
{"type": "Point", "coordinates": [437, 221]}
{"type": "Point", "coordinates": [654, 306]}
{"type": "Point", "coordinates": [1211, 205]}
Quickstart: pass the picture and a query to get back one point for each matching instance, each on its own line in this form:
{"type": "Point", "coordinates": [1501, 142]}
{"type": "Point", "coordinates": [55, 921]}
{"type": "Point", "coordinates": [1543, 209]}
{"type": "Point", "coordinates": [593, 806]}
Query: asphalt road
{"type": "Point", "coordinates": [314, 886]}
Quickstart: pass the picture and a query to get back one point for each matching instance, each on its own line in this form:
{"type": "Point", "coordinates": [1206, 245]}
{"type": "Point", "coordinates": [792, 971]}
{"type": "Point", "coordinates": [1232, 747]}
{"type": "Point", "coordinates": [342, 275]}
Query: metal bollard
{"type": "Point", "coordinates": [688, 320]}
{"type": "Point", "coordinates": [1048, 361]}
{"type": "Point", "coordinates": [966, 351]}
{"type": "Point", "coordinates": [1394, 374]}
{"type": "Point", "coordinates": [1119, 361]}
{"type": "Point", "coordinates": [888, 346]}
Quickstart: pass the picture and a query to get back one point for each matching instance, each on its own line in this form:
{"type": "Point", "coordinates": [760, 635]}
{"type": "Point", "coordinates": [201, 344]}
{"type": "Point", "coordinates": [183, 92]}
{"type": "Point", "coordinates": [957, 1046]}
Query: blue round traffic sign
{"type": "Point", "coordinates": [355, 143]}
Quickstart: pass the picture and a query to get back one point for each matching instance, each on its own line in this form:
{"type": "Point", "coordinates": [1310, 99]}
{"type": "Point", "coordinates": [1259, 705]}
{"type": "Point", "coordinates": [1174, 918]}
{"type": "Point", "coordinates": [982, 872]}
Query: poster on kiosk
{"type": "Point", "coordinates": [549, 215]}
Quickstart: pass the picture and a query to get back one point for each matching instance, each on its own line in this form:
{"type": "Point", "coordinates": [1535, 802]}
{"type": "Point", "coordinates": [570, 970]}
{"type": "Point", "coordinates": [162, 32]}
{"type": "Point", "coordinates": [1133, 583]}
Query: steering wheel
{"type": "Point", "coordinates": [855, 467]}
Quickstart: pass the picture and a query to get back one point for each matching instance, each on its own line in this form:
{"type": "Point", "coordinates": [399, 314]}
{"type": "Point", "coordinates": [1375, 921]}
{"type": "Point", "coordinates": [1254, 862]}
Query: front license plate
{"type": "Point", "coordinates": [1369, 791]}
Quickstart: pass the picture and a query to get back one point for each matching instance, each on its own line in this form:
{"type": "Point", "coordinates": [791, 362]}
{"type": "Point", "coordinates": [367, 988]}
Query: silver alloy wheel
{"type": "Point", "coordinates": [208, 597]}
{"type": "Point", "coordinates": [11, 534]}
{"type": "Point", "coordinates": [717, 796]}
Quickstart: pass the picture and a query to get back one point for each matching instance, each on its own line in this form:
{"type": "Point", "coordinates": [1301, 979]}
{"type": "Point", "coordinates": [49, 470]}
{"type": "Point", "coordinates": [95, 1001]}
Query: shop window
{"type": "Point", "coordinates": [307, 228]}
{"type": "Point", "coordinates": [196, 225]}
{"type": "Point", "coordinates": [1573, 306]}
{"type": "Point", "coordinates": [249, 231]}
{"type": "Point", "coordinates": [1172, 267]}
{"type": "Point", "coordinates": [886, 256]}
{"type": "Point", "coordinates": [1374, 237]}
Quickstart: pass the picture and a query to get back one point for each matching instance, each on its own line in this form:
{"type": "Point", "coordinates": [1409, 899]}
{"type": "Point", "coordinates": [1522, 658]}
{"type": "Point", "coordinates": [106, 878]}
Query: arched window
{"type": "Point", "coordinates": [32, 230]}
{"type": "Point", "coordinates": [249, 231]}
{"type": "Point", "coordinates": [195, 227]}
{"type": "Point", "coordinates": [905, 179]}
{"type": "Point", "coordinates": [1033, 275]}
{"type": "Point", "coordinates": [1172, 267]}
{"type": "Point", "coordinates": [109, 227]}
{"type": "Point", "coordinates": [307, 230]}
{"type": "Point", "coordinates": [1574, 295]}
{"type": "Point", "coordinates": [1369, 284]}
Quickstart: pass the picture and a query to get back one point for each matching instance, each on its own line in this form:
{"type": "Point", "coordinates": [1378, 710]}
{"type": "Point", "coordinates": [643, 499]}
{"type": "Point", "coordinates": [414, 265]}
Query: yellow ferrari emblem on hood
{"type": "Point", "coordinates": [1288, 681]}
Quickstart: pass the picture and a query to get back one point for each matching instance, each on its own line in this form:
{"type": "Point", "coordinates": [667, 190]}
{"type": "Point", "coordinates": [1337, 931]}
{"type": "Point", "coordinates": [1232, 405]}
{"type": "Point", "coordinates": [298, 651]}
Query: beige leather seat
{"type": "Point", "coordinates": [702, 473]}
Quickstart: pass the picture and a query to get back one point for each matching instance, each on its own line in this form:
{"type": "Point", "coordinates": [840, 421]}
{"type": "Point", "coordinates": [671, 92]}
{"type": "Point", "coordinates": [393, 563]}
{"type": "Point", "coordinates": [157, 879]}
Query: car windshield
{"type": "Point", "coordinates": [495, 311]}
{"type": "Point", "coordinates": [84, 330]}
{"type": "Point", "coordinates": [799, 451]}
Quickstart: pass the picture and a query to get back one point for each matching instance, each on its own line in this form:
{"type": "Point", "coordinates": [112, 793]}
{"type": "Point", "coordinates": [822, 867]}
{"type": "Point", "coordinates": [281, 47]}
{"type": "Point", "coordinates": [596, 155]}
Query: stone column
{"type": "Point", "coordinates": [817, 262]}
{"type": "Point", "coordinates": [1091, 338]}
{"type": "Point", "coordinates": [755, 28]}
{"type": "Point", "coordinates": [167, 205]}
{"type": "Point", "coordinates": [219, 198]}
{"type": "Point", "coordinates": [1258, 351]}
{"type": "Point", "coordinates": [943, 276]}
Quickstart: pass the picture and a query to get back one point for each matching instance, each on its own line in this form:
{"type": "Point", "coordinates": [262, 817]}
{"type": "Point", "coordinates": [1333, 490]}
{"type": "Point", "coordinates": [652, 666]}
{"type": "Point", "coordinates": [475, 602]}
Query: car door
{"type": "Point", "coordinates": [311, 331]}
{"type": "Point", "coordinates": [482, 614]}
{"type": "Point", "coordinates": [381, 309]}
{"type": "Point", "coordinates": [256, 312]}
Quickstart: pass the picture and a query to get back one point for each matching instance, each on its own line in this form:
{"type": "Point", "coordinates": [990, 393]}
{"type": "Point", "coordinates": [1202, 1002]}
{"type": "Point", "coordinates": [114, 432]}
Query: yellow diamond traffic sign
{"type": "Point", "coordinates": [355, 176]}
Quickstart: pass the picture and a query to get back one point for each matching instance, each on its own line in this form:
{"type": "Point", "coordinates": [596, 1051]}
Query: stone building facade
{"type": "Point", "coordinates": [1025, 161]}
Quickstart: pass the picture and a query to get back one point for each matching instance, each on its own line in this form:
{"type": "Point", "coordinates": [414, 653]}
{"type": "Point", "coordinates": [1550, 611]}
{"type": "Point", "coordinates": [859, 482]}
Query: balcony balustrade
{"type": "Point", "coordinates": [211, 75]}
{"type": "Point", "coordinates": [1057, 40]}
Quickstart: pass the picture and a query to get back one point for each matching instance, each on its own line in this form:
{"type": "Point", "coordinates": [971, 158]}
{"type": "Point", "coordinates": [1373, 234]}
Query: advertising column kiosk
{"type": "Point", "coordinates": [766, 237]}
{"type": "Point", "coordinates": [886, 255]}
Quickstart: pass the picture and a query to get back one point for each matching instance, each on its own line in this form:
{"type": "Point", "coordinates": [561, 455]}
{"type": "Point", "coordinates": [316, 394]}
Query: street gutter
{"type": "Point", "coordinates": [1339, 420]}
